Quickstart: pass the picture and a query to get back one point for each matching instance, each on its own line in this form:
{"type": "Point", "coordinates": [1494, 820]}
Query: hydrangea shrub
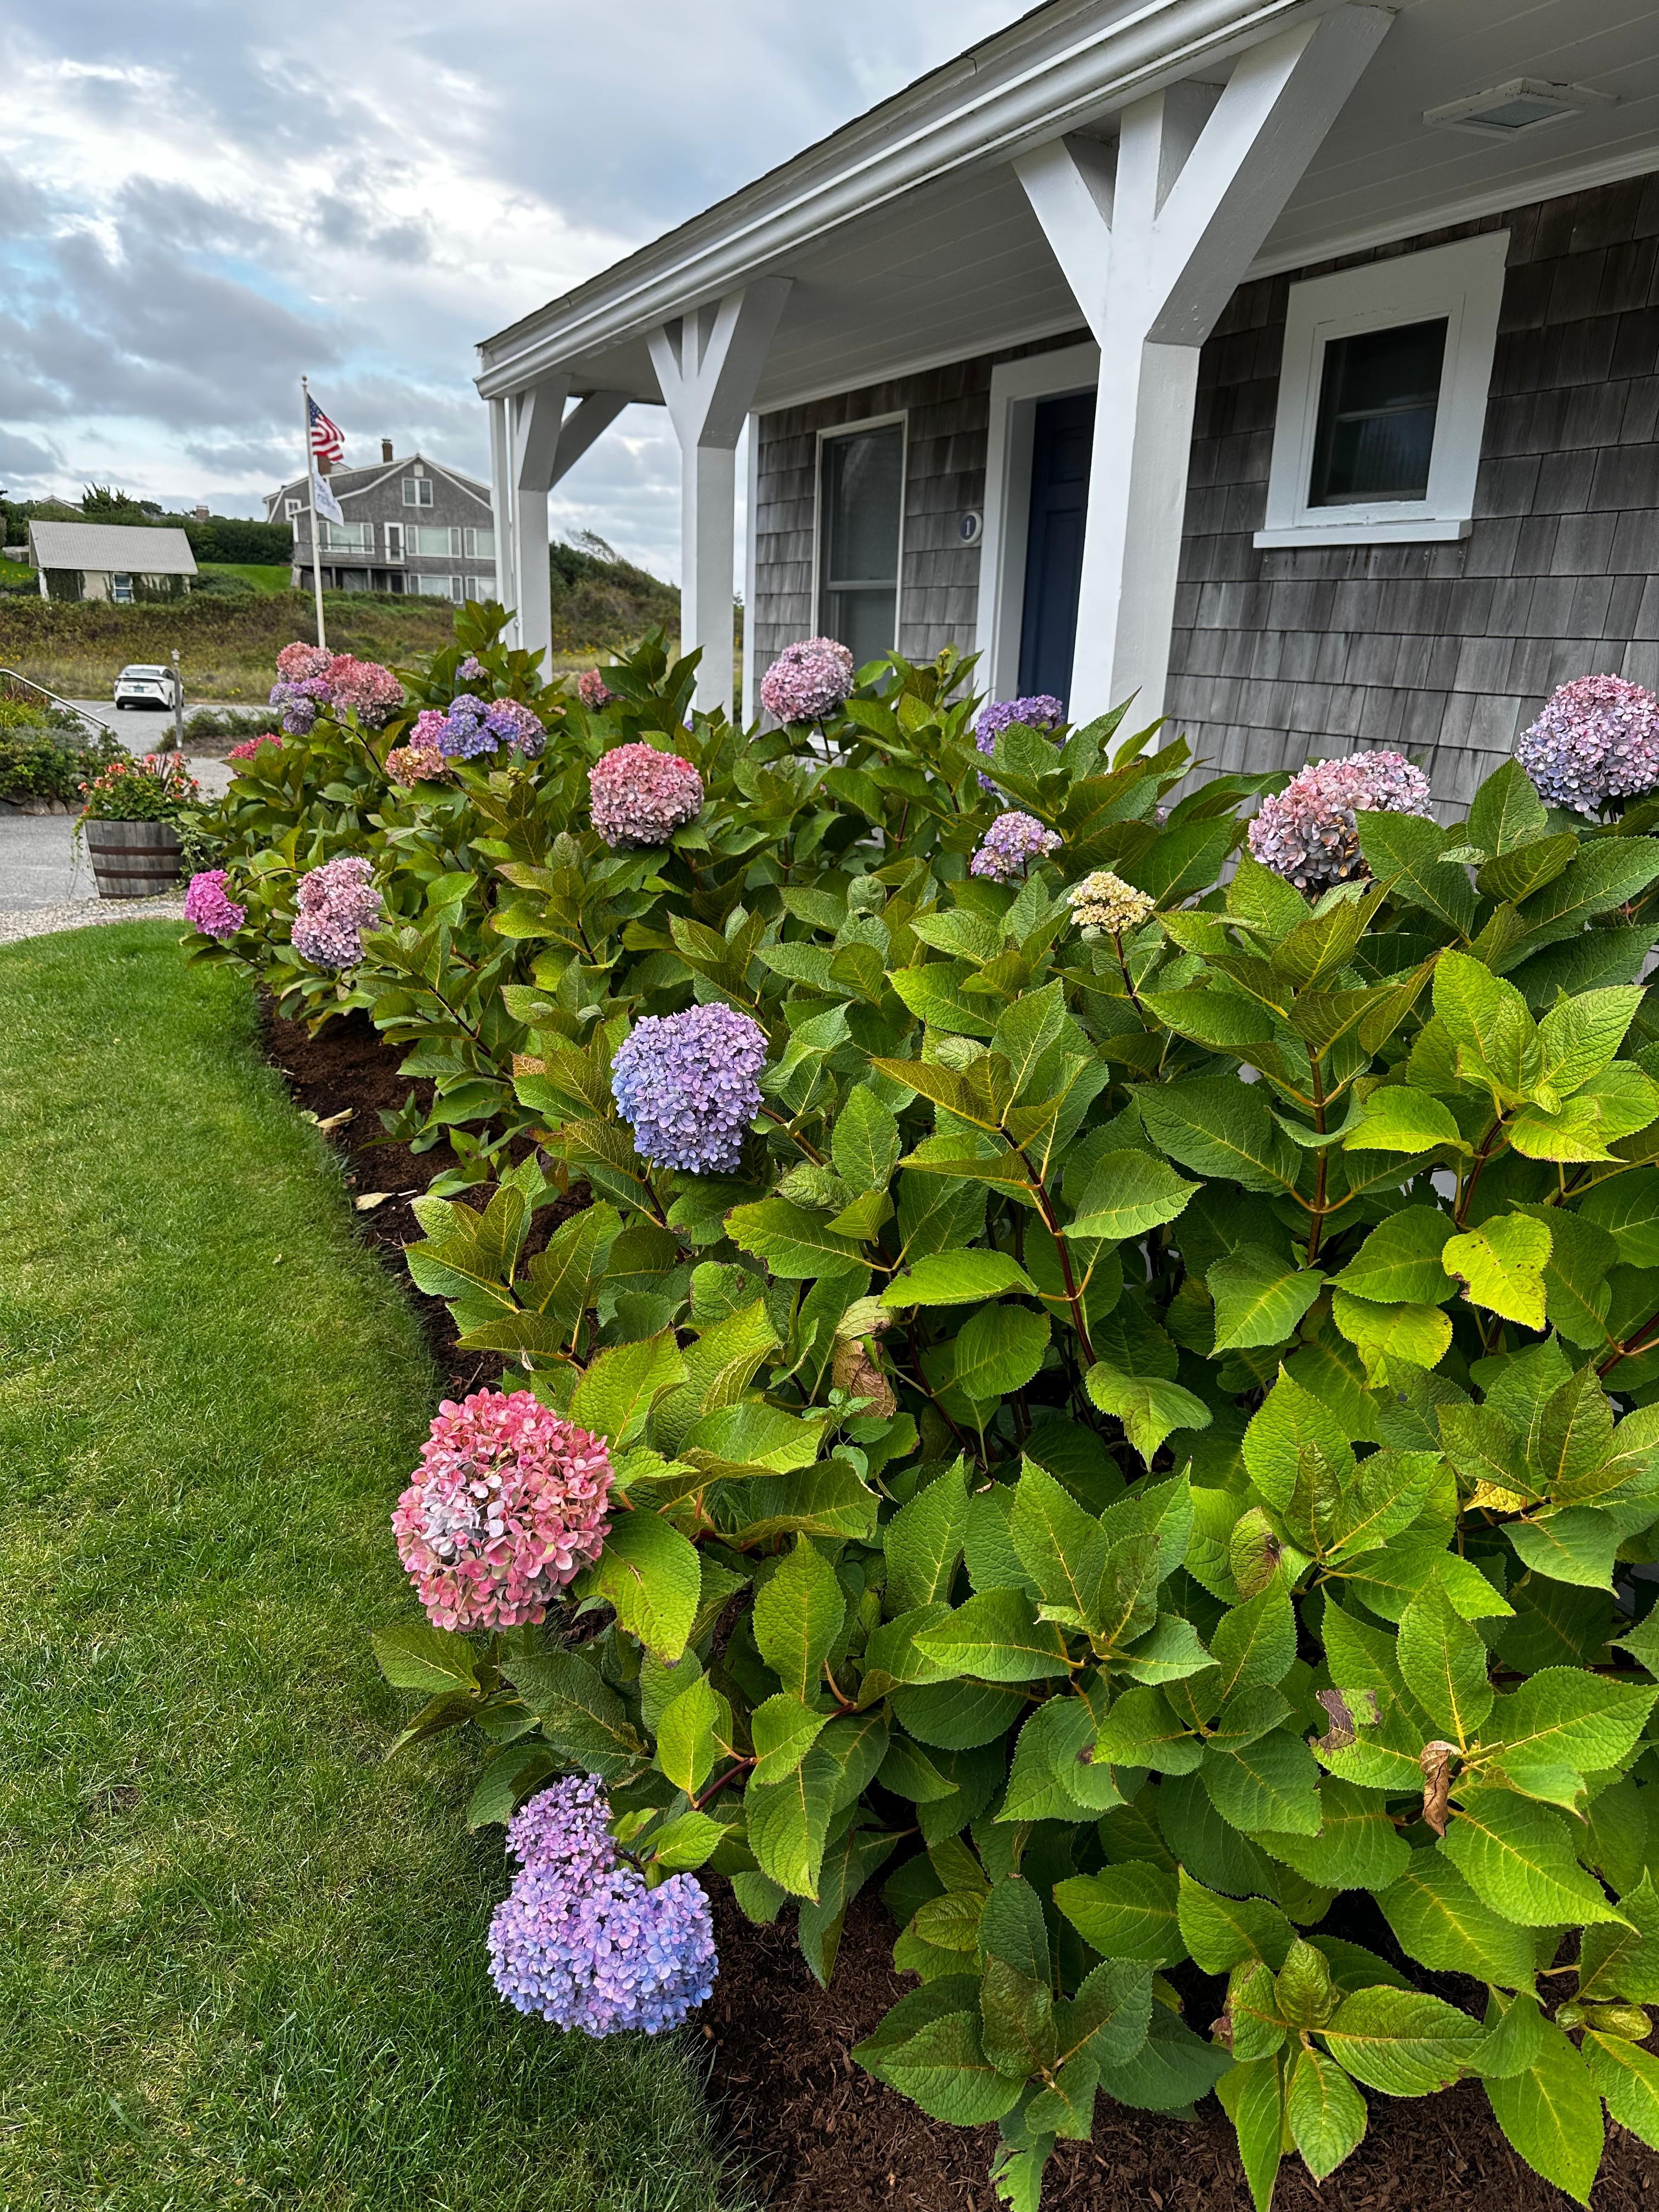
{"type": "Point", "coordinates": [1139, 1438]}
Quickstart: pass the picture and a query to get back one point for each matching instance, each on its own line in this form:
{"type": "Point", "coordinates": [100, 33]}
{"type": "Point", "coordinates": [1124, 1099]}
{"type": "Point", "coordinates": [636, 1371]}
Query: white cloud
{"type": "Point", "coordinates": [197, 205]}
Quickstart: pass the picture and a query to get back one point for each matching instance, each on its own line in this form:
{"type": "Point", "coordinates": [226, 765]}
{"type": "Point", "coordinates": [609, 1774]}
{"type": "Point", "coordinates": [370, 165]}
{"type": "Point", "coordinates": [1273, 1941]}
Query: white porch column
{"type": "Point", "coordinates": [1153, 247]}
{"type": "Point", "coordinates": [708, 365]}
{"type": "Point", "coordinates": [534, 442]}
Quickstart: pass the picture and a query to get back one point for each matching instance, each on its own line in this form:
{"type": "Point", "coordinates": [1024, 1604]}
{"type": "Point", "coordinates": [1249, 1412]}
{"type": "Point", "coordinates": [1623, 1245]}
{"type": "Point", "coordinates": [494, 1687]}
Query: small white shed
{"type": "Point", "coordinates": [110, 560]}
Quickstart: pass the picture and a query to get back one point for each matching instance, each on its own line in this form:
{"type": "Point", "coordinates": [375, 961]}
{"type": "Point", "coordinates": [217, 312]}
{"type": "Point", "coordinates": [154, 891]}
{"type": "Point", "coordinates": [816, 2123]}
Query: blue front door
{"type": "Point", "coordinates": [1063, 435]}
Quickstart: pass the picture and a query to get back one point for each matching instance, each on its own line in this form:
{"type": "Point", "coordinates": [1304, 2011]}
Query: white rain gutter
{"type": "Point", "coordinates": [1162, 40]}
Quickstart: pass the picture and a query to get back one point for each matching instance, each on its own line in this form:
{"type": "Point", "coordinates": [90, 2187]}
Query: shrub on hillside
{"type": "Point", "coordinates": [1147, 1442]}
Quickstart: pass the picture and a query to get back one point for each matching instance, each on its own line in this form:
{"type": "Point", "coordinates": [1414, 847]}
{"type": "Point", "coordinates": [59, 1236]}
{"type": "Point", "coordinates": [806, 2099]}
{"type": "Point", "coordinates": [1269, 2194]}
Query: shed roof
{"type": "Point", "coordinates": [111, 548]}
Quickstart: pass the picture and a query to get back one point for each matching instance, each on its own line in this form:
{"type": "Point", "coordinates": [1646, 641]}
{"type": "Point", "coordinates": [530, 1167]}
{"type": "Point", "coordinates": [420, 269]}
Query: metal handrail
{"type": "Point", "coordinates": [85, 712]}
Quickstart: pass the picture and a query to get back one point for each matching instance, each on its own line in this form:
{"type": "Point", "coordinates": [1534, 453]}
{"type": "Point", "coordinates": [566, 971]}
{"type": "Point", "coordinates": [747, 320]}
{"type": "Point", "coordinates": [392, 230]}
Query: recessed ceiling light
{"type": "Point", "coordinates": [1521, 104]}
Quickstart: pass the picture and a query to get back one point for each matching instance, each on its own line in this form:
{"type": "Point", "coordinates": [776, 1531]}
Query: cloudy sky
{"type": "Point", "coordinates": [199, 198]}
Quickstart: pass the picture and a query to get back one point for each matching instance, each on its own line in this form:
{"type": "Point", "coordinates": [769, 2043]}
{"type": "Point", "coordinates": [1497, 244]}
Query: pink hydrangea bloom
{"type": "Point", "coordinates": [593, 690]}
{"type": "Point", "coordinates": [1308, 832]}
{"type": "Point", "coordinates": [249, 746]}
{"type": "Point", "coordinates": [374, 691]}
{"type": "Point", "coordinates": [206, 906]}
{"type": "Point", "coordinates": [809, 681]}
{"type": "Point", "coordinates": [337, 902]}
{"type": "Point", "coordinates": [508, 1506]}
{"type": "Point", "coordinates": [1597, 739]}
{"type": "Point", "coordinates": [414, 764]}
{"type": "Point", "coordinates": [299, 662]}
{"type": "Point", "coordinates": [642, 797]}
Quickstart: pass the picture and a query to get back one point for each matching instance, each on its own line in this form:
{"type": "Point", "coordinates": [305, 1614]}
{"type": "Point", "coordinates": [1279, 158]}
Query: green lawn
{"type": "Point", "coordinates": [241, 1959]}
{"type": "Point", "coordinates": [264, 576]}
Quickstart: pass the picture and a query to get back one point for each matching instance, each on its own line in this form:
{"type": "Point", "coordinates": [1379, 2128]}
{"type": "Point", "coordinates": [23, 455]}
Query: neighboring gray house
{"type": "Point", "coordinates": [1292, 365]}
{"type": "Point", "coordinates": [410, 526]}
{"type": "Point", "coordinates": [115, 561]}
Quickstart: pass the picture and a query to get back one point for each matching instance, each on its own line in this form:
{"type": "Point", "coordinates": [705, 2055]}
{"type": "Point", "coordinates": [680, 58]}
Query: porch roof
{"type": "Point", "coordinates": [910, 242]}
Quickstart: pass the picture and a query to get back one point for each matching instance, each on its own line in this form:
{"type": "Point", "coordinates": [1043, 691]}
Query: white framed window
{"type": "Point", "coordinates": [479, 544]}
{"type": "Point", "coordinates": [120, 588]}
{"type": "Point", "coordinates": [433, 542]}
{"type": "Point", "coordinates": [347, 537]}
{"type": "Point", "coordinates": [860, 534]}
{"type": "Point", "coordinates": [1382, 398]}
{"type": "Point", "coordinates": [417, 491]}
{"type": "Point", "coordinates": [293, 507]}
{"type": "Point", "coordinates": [438, 587]}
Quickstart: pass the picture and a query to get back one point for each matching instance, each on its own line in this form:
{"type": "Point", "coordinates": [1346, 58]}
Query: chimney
{"type": "Point", "coordinates": [386, 449]}
{"type": "Point", "coordinates": [202, 513]}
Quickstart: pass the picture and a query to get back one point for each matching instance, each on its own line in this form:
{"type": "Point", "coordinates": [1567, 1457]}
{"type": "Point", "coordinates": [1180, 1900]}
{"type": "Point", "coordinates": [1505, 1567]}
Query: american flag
{"type": "Point", "coordinates": [327, 443]}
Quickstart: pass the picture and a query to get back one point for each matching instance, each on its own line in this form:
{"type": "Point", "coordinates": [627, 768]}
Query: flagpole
{"type": "Point", "coordinates": [311, 496]}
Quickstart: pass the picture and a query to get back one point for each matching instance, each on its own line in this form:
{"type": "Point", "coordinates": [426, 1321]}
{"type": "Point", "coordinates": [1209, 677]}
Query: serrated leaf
{"type": "Point", "coordinates": [997, 1636]}
{"type": "Point", "coordinates": [1398, 1119]}
{"type": "Point", "coordinates": [1500, 1264]}
{"type": "Point", "coordinates": [1443, 1925]}
{"type": "Point", "coordinates": [1628, 2077]}
{"type": "Point", "coordinates": [1150, 1407]}
{"type": "Point", "coordinates": [1401, 2041]}
{"type": "Point", "coordinates": [1327, 2113]}
{"type": "Point", "coordinates": [1444, 1660]}
{"type": "Point", "coordinates": [1253, 2097]}
{"type": "Point", "coordinates": [863, 1143]}
{"type": "Point", "coordinates": [690, 1730]}
{"type": "Point", "coordinates": [1222, 1932]}
{"type": "Point", "coordinates": [617, 1391]}
{"type": "Point", "coordinates": [1126, 1912]}
{"type": "Point", "coordinates": [1400, 1262]}
{"type": "Point", "coordinates": [1128, 1194]}
{"type": "Point", "coordinates": [649, 1573]}
{"type": "Point", "coordinates": [1518, 1858]}
{"type": "Point", "coordinates": [788, 1823]}
{"type": "Point", "coordinates": [415, 1655]}
{"type": "Point", "coordinates": [798, 1616]}
{"type": "Point", "coordinates": [953, 1279]}
{"type": "Point", "coordinates": [1553, 2116]}
{"type": "Point", "coordinates": [1259, 1298]}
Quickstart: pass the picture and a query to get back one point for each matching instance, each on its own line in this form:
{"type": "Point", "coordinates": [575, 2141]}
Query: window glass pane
{"type": "Point", "coordinates": [860, 504]}
{"type": "Point", "coordinates": [1378, 396]}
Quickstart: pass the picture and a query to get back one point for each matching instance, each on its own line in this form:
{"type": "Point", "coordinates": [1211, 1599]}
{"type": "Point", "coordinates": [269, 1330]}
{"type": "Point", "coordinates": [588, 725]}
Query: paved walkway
{"type": "Point", "coordinates": [47, 880]}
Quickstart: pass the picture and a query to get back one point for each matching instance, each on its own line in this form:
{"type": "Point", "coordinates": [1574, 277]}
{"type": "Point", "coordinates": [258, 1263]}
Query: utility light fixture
{"type": "Point", "coordinates": [1523, 103]}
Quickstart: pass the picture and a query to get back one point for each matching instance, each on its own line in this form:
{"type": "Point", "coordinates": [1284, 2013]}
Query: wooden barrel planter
{"type": "Point", "coordinates": [133, 860]}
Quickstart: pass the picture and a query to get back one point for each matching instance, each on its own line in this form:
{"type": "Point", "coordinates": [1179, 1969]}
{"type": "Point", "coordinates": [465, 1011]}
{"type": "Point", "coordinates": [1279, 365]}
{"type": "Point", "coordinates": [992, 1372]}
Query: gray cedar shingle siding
{"type": "Point", "coordinates": [1448, 650]}
{"type": "Point", "coordinates": [1281, 657]}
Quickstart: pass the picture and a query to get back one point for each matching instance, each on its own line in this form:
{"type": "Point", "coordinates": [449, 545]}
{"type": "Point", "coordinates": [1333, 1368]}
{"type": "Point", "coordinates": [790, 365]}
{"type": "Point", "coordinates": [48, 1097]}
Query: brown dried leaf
{"type": "Point", "coordinates": [854, 1370]}
{"type": "Point", "coordinates": [1437, 1782]}
{"type": "Point", "coordinates": [370, 1199]}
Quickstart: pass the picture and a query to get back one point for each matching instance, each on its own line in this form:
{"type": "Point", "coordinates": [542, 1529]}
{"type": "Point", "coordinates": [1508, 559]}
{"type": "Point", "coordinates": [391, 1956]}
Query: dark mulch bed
{"type": "Point", "coordinates": [815, 2132]}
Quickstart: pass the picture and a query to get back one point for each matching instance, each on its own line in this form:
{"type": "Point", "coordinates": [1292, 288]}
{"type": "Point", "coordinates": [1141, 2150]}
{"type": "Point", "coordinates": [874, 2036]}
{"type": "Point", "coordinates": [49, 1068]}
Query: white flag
{"type": "Point", "coordinates": [323, 498]}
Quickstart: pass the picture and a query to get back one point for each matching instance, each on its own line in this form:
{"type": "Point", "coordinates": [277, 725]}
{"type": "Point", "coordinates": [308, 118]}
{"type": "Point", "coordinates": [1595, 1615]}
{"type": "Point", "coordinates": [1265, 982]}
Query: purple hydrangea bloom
{"type": "Point", "coordinates": [1012, 840]}
{"type": "Point", "coordinates": [604, 1954]}
{"type": "Point", "coordinates": [337, 902]}
{"type": "Point", "coordinates": [1308, 832]}
{"type": "Point", "coordinates": [809, 681]}
{"type": "Point", "coordinates": [465, 732]}
{"type": "Point", "coordinates": [686, 1085]}
{"type": "Point", "coordinates": [206, 906]}
{"type": "Point", "coordinates": [299, 703]}
{"type": "Point", "coordinates": [1040, 712]}
{"type": "Point", "coordinates": [565, 1826]}
{"type": "Point", "coordinates": [471, 669]}
{"type": "Point", "coordinates": [514, 723]}
{"type": "Point", "coordinates": [579, 1939]}
{"type": "Point", "coordinates": [1597, 739]}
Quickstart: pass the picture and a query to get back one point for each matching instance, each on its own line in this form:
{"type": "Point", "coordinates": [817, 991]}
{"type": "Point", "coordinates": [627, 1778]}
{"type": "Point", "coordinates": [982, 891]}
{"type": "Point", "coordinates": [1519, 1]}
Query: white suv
{"type": "Point", "coordinates": [139, 686]}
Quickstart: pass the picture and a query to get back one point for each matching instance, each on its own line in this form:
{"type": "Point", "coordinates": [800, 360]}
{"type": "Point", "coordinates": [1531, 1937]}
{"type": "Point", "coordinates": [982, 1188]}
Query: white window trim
{"type": "Point", "coordinates": [1465, 283]}
{"type": "Point", "coordinates": [831, 431]}
{"type": "Point", "coordinates": [1017, 386]}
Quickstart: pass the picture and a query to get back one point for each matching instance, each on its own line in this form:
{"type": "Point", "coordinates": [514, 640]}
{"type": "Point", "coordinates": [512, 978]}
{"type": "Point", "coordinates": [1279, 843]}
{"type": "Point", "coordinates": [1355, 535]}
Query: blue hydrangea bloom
{"type": "Point", "coordinates": [686, 1085]}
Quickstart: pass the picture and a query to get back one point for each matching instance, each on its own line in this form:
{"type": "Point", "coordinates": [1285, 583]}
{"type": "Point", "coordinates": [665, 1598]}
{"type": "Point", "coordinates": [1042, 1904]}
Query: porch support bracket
{"type": "Point", "coordinates": [708, 365]}
{"type": "Point", "coordinates": [1153, 245]}
{"type": "Point", "coordinates": [534, 442]}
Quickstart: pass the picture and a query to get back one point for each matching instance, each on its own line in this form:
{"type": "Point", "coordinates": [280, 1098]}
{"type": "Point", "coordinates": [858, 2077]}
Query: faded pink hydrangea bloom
{"type": "Point", "coordinates": [508, 1506]}
{"type": "Point", "coordinates": [1597, 739]}
{"type": "Point", "coordinates": [1308, 832]}
{"type": "Point", "coordinates": [593, 690]}
{"type": "Point", "coordinates": [640, 796]}
{"type": "Point", "coordinates": [337, 902]}
{"type": "Point", "coordinates": [374, 691]}
{"type": "Point", "coordinates": [415, 763]}
{"type": "Point", "coordinates": [300, 663]}
{"type": "Point", "coordinates": [249, 746]}
{"type": "Point", "coordinates": [809, 681]}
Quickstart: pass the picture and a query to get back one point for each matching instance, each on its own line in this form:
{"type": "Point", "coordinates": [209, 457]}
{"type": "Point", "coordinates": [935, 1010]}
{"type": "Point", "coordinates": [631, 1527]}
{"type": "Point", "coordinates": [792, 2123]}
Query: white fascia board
{"type": "Point", "coordinates": [995, 114]}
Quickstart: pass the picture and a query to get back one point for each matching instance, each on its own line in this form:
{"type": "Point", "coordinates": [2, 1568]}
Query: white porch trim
{"type": "Point", "coordinates": [709, 364]}
{"type": "Point", "coordinates": [1153, 247]}
{"type": "Point", "coordinates": [532, 444]}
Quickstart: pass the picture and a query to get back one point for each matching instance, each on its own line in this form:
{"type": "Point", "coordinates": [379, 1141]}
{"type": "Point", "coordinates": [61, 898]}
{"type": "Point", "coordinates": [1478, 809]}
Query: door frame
{"type": "Point", "coordinates": [1017, 386]}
